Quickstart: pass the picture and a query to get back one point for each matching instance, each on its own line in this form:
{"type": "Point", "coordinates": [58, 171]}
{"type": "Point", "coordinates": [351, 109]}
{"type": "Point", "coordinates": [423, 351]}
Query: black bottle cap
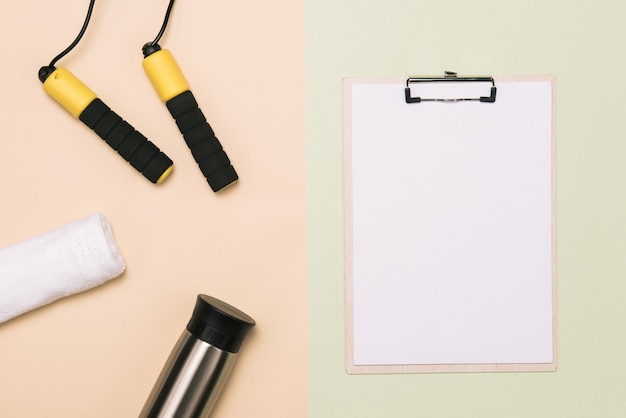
{"type": "Point", "coordinates": [219, 324]}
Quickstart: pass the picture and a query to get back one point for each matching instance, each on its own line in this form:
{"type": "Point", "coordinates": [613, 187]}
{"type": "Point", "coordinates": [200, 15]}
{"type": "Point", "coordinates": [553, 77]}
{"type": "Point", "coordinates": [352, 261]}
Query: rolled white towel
{"type": "Point", "coordinates": [68, 260]}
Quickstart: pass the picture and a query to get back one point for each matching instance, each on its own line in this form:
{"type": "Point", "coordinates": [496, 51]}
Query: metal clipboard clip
{"type": "Point", "coordinates": [449, 76]}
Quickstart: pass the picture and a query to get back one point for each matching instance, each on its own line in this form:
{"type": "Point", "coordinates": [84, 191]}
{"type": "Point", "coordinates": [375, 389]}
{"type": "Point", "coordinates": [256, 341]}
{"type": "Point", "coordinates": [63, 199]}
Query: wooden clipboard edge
{"type": "Point", "coordinates": [351, 368]}
{"type": "Point", "coordinates": [450, 368]}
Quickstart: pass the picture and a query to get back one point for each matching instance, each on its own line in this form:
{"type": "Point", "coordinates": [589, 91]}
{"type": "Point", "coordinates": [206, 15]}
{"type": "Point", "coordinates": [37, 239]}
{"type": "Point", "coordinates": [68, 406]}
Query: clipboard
{"type": "Point", "coordinates": [450, 252]}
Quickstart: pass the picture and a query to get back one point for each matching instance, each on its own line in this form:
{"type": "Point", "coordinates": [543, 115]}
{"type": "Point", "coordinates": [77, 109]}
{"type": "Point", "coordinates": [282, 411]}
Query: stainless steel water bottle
{"type": "Point", "coordinates": [200, 363]}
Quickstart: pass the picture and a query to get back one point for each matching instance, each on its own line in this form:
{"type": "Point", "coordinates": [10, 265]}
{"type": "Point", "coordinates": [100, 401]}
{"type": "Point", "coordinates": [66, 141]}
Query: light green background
{"type": "Point", "coordinates": [583, 44]}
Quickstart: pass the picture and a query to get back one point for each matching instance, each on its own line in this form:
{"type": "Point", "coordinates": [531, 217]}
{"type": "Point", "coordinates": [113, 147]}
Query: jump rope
{"type": "Point", "coordinates": [171, 87]}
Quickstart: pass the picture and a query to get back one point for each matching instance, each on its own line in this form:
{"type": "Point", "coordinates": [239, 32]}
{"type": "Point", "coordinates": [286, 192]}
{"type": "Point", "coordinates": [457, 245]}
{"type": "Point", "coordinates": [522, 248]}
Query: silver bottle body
{"type": "Point", "coordinates": [191, 380]}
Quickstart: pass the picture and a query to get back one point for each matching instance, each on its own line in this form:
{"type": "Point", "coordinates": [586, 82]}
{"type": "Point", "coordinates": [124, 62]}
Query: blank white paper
{"type": "Point", "coordinates": [451, 216]}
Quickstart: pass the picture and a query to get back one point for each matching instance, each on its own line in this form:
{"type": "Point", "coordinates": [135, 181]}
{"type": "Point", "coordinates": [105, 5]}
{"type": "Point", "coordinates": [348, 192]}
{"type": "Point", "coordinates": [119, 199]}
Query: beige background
{"type": "Point", "coordinates": [98, 354]}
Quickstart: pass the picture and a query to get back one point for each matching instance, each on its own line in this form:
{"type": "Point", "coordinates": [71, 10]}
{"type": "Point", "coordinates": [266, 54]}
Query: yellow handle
{"type": "Point", "coordinates": [69, 91]}
{"type": "Point", "coordinates": [164, 74]}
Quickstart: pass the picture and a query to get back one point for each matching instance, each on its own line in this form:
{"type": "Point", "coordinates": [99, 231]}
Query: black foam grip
{"type": "Point", "coordinates": [201, 140]}
{"type": "Point", "coordinates": [135, 148]}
